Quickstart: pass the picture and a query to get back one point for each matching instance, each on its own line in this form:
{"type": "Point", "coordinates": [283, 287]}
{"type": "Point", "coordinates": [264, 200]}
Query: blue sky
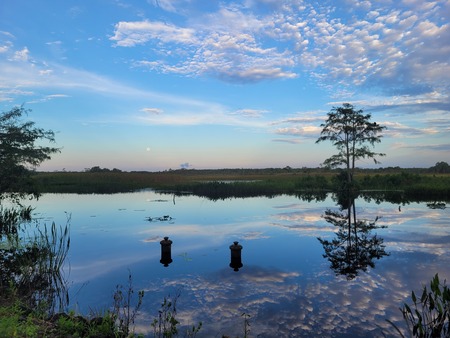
{"type": "Point", "coordinates": [159, 84]}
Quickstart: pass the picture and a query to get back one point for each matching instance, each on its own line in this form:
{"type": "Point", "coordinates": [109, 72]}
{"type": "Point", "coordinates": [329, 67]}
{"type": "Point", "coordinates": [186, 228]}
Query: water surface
{"type": "Point", "coordinates": [285, 285]}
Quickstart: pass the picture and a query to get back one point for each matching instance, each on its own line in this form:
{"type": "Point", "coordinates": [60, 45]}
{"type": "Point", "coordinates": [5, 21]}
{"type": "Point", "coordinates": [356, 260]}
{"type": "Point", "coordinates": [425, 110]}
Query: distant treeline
{"type": "Point", "coordinates": [411, 183]}
{"type": "Point", "coordinates": [438, 168]}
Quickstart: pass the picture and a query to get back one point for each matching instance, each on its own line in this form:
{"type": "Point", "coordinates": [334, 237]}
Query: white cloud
{"type": "Point", "coordinates": [43, 75]}
{"type": "Point", "coordinates": [400, 48]}
{"type": "Point", "coordinates": [299, 131]}
{"type": "Point", "coordinates": [129, 34]}
{"type": "Point", "coordinates": [21, 55]}
{"type": "Point", "coordinates": [223, 44]}
{"type": "Point", "coordinates": [398, 130]}
{"type": "Point", "coordinates": [167, 5]}
{"type": "Point", "coordinates": [155, 111]}
{"type": "Point", "coordinates": [4, 48]}
{"type": "Point", "coordinates": [253, 113]}
{"type": "Point", "coordinates": [48, 98]}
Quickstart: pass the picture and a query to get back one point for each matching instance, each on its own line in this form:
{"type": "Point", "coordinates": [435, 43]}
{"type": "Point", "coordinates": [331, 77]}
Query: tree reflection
{"type": "Point", "coordinates": [354, 248]}
{"type": "Point", "coordinates": [437, 205]}
{"type": "Point", "coordinates": [31, 261]}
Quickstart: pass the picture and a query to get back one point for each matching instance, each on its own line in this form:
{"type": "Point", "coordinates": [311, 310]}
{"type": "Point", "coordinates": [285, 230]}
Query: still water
{"type": "Point", "coordinates": [285, 286]}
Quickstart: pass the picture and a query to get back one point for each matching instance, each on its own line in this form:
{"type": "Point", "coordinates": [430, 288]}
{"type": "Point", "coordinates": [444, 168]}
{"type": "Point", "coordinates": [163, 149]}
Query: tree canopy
{"type": "Point", "coordinates": [352, 133]}
{"type": "Point", "coordinates": [21, 151]}
{"type": "Point", "coordinates": [440, 168]}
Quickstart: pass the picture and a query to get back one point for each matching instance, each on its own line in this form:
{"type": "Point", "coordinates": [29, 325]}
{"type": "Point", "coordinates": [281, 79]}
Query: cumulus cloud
{"type": "Point", "coordinates": [21, 55]}
{"type": "Point", "coordinates": [398, 49]}
{"type": "Point", "coordinates": [399, 130]}
{"type": "Point", "coordinates": [4, 48]}
{"type": "Point", "coordinates": [5, 41]}
{"type": "Point", "coordinates": [129, 34]}
{"type": "Point", "coordinates": [299, 131]}
{"type": "Point", "coordinates": [298, 128]}
{"type": "Point", "coordinates": [223, 44]}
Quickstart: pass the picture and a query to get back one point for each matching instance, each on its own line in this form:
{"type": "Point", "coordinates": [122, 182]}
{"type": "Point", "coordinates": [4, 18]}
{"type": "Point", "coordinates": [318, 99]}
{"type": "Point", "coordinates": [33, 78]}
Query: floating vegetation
{"type": "Point", "coordinates": [185, 256]}
{"type": "Point", "coordinates": [164, 218]}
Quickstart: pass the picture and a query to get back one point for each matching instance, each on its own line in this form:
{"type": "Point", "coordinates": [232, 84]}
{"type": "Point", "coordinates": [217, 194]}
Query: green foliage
{"type": "Point", "coordinates": [31, 260]}
{"type": "Point", "coordinates": [166, 325]}
{"type": "Point", "coordinates": [71, 325]}
{"type": "Point", "coordinates": [429, 314]}
{"type": "Point", "coordinates": [313, 182]}
{"type": "Point", "coordinates": [14, 323]}
{"type": "Point", "coordinates": [20, 152]}
{"type": "Point", "coordinates": [440, 168]}
{"type": "Point", "coordinates": [414, 186]}
{"type": "Point", "coordinates": [97, 169]}
{"type": "Point", "coordinates": [123, 312]}
{"type": "Point", "coordinates": [10, 218]}
{"type": "Point", "coordinates": [351, 133]}
{"type": "Point", "coordinates": [310, 184]}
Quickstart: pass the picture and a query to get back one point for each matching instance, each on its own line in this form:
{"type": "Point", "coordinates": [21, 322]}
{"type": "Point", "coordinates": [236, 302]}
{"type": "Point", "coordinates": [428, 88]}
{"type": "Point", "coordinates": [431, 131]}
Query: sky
{"type": "Point", "coordinates": [168, 84]}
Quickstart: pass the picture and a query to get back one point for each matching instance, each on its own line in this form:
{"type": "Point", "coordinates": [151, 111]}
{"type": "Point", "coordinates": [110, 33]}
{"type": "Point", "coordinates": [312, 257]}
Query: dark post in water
{"type": "Point", "coordinates": [166, 251]}
{"type": "Point", "coordinates": [236, 260]}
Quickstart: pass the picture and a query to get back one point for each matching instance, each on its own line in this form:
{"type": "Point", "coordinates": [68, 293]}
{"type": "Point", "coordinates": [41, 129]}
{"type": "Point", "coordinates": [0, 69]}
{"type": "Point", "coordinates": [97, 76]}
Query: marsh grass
{"type": "Point", "coordinates": [39, 277]}
{"type": "Point", "coordinates": [32, 284]}
{"type": "Point", "coordinates": [416, 185]}
{"type": "Point", "coordinates": [10, 218]}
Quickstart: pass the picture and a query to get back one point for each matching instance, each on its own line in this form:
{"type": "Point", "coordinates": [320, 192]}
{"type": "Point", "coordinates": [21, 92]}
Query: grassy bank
{"type": "Point", "coordinates": [415, 184]}
{"type": "Point", "coordinates": [279, 180]}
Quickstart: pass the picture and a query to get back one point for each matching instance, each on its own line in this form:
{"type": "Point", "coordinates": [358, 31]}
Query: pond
{"type": "Point", "coordinates": [285, 286]}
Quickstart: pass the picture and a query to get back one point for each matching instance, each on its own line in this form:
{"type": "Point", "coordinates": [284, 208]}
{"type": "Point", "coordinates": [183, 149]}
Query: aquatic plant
{"type": "Point", "coordinates": [166, 325]}
{"type": "Point", "coordinates": [429, 315]}
{"type": "Point", "coordinates": [31, 263]}
{"type": "Point", "coordinates": [123, 313]}
{"type": "Point", "coordinates": [11, 218]}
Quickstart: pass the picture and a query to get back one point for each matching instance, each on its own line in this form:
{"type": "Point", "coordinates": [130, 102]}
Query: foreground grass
{"type": "Point", "coordinates": [17, 320]}
{"type": "Point", "coordinates": [415, 184]}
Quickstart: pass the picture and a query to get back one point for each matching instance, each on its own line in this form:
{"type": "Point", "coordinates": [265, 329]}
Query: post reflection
{"type": "Point", "coordinates": [166, 251]}
{"type": "Point", "coordinates": [236, 258]}
{"type": "Point", "coordinates": [354, 248]}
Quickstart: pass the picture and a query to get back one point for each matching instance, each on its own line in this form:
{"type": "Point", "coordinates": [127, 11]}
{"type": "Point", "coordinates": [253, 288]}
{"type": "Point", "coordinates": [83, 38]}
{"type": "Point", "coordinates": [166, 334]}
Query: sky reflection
{"type": "Point", "coordinates": [285, 284]}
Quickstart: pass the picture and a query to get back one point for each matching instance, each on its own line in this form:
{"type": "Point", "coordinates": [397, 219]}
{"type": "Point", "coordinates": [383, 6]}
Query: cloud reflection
{"type": "Point", "coordinates": [286, 304]}
{"type": "Point", "coordinates": [300, 296]}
